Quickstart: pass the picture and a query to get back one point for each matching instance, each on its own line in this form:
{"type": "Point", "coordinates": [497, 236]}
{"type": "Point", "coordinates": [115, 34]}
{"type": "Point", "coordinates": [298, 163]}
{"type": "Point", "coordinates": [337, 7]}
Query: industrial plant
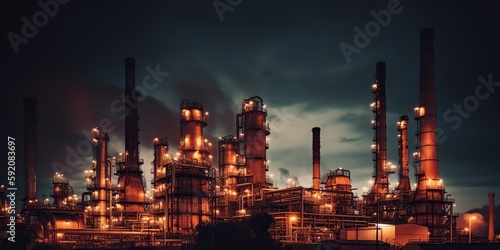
{"type": "Point", "coordinates": [191, 184]}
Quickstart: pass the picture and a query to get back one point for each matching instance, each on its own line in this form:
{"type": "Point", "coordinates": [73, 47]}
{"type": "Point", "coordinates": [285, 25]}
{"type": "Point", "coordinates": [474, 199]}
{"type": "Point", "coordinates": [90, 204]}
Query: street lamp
{"type": "Point", "coordinates": [470, 227]}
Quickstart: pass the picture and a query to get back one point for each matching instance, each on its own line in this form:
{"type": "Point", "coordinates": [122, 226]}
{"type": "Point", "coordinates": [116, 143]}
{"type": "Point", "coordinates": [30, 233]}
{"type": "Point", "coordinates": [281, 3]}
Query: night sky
{"type": "Point", "coordinates": [287, 52]}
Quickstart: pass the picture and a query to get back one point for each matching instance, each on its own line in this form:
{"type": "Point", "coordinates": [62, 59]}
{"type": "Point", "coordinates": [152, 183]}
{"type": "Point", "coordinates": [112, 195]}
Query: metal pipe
{"type": "Point", "coordinates": [316, 158]}
{"type": "Point", "coordinates": [30, 148]}
{"type": "Point", "coordinates": [404, 179]}
{"type": "Point", "coordinates": [491, 217]}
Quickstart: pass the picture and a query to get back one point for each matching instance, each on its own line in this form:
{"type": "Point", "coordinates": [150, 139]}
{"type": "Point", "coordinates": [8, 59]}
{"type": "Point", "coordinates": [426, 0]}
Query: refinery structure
{"type": "Point", "coordinates": [192, 184]}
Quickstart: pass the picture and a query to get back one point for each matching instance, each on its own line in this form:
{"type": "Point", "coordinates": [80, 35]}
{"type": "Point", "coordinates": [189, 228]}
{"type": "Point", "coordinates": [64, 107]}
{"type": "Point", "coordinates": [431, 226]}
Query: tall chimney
{"type": "Point", "coordinates": [404, 179]}
{"type": "Point", "coordinates": [491, 216]}
{"type": "Point", "coordinates": [316, 145]}
{"type": "Point", "coordinates": [132, 118]}
{"type": "Point", "coordinates": [425, 114]}
{"type": "Point", "coordinates": [130, 182]}
{"type": "Point", "coordinates": [379, 149]}
{"type": "Point", "coordinates": [30, 148]}
{"type": "Point", "coordinates": [430, 188]}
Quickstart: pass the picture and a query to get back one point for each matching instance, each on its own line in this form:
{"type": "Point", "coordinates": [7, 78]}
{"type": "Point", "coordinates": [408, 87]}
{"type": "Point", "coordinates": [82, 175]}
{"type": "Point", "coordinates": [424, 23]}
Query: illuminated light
{"type": "Point", "coordinates": [155, 139]}
{"type": "Point", "coordinates": [206, 113]}
{"type": "Point", "coordinates": [293, 218]}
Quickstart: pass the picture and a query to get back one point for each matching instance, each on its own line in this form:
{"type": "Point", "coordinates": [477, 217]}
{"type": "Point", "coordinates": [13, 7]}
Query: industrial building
{"type": "Point", "coordinates": [191, 186]}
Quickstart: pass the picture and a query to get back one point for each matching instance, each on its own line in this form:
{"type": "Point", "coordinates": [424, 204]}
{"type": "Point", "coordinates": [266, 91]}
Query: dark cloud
{"type": "Point", "coordinates": [345, 139]}
{"type": "Point", "coordinates": [287, 52]}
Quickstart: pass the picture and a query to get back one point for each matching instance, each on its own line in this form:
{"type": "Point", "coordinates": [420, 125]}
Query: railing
{"type": "Point", "coordinates": [205, 146]}
{"type": "Point", "coordinates": [435, 187]}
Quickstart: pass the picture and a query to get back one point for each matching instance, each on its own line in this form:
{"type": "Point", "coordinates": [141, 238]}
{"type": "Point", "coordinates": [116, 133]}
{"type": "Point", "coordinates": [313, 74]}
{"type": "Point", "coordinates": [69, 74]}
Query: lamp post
{"type": "Point", "coordinates": [470, 228]}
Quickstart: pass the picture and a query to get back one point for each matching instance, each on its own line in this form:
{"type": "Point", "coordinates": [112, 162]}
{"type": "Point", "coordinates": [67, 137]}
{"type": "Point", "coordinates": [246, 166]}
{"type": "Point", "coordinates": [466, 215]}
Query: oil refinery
{"type": "Point", "coordinates": [191, 184]}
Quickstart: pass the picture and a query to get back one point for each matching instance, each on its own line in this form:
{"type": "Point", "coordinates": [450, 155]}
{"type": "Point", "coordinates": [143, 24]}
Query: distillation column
{"type": "Point", "coordinates": [316, 145]}
{"type": "Point", "coordinates": [100, 140]}
{"type": "Point", "coordinates": [253, 131]}
{"type": "Point", "coordinates": [404, 179]}
{"type": "Point", "coordinates": [430, 189]}
{"type": "Point", "coordinates": [379, 148]}
{"type": "Point", "coordinates": [161, 158]}
{"type": "Point", "coordinates": [192, 176]}
{"type": "Point", "coordinates": [192, 144]}
{"type": "Point", "coordinates": [130, 182]}
{"type": "Point", "coordinates": [228, 173]}
{"type": "Point", "coordinates": [30, 149]}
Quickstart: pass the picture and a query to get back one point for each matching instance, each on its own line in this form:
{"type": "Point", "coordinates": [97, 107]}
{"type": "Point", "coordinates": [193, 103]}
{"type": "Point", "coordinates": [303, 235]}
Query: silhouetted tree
{"type": "Point", "coordinates": [248, 234]}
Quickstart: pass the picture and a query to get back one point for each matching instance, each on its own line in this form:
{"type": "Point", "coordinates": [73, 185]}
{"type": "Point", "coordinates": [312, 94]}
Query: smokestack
{"type": "Point", "coordinates": [30, 148]}
{"type": "Point", "coordinates": [430, 187]}
{"type": "Point", "coordinates": [425, 114]}
{"type": "Point", "coordinates": [132, 118]}
{"type": "Point", "coordinates": [316, 145]}
{"type": "Point", "coordinates": [491, 216]}
{"type": "Point", "coordinates": [404, 179]}
{"type": "Point", "coordinates": [381, 184]}
{"type": "Point", "coordinates": [130, 179]}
